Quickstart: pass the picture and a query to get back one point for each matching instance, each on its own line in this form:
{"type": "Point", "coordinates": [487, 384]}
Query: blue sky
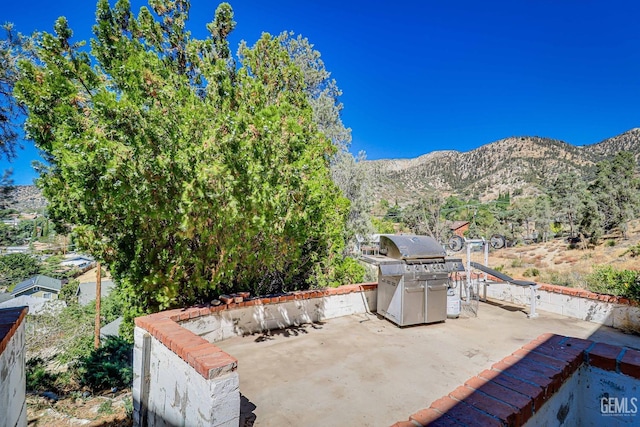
{"type": "Point", "coordinates": [419, 76]}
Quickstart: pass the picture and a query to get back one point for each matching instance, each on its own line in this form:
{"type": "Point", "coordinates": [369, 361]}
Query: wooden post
{"type": "Point", "coordinates": [96, 343]}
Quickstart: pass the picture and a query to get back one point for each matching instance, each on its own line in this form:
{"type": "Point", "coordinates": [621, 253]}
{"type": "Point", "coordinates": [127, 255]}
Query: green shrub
{"type": "Point", "coordinates": [108, 366]}
{"type": "Point", "coordinates": [531, 272]}
{"type": "Point", "coordinates": [348, 271]}
{"type": "Point", "coordinates": [105, 408]}
{"type": "Point", "coordinates": [38, 377]}
{"type": "Point", "coordinates": [609, 280]}
{"type": "Point", "coordinates": [68, 292]}
{"type": "Point", "coordinates": [128, 407]}
{"type": "Point", "coordinates": [516, 263]}
{"type": "Point", "coordinates": [633, 251]}
{"type": "Point", "coordinates": [611, 243]}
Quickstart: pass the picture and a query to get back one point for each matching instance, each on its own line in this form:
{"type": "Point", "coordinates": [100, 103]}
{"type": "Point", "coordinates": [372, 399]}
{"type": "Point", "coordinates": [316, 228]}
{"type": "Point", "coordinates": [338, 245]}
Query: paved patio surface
{"type": "Point", "coordinates": [364, 371]}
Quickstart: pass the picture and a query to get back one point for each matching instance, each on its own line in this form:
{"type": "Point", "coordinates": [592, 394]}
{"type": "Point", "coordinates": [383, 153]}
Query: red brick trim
{"type": "Point", "coordinates": [207, 359]}
{"type": "Point", "coordinates": [10, 321]}
{"type": "Point", "coordinates": [516, 387]}
{"type": "Point", "coordinates": [583, 293]}
{"type": "Point", "coordinates": [576, 292]}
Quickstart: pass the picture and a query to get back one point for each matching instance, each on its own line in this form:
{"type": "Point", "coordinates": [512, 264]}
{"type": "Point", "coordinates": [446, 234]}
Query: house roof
{"type": "Point", "coordinates": [16, 249]}
{"type": "Point", "coordinates": [76, 260]}
{"type": "Point", "coordinates": [457, 224]}
{"type": "Point", "coordinates": [36, 305]}
{"type": "Point", "coordinates": [111, 329]}
{"type": "Point", "coordinates": [5, 296]}
{"type": "Point", "coordinates": [41, 281]}
{"type": "Point", "coordinates": [86, 292]}
{"type": "Point", "coordinates": [77, 257]}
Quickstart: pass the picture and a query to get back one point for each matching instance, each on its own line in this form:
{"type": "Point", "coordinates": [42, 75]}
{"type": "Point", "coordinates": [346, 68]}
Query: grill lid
{"type": "Point", "coordinates": [410, 247]}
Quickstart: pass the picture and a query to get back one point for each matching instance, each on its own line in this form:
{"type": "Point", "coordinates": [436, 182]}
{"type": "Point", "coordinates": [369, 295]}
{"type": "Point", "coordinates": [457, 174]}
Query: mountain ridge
{"type": "Point", "coordinates": [522, 164]}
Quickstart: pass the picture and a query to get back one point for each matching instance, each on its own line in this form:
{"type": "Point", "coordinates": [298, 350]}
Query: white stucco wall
{"type": "Point", "coordinates": [175, 394]}
{"type": "Point", "coordinates": [258, 318]}
{"type": "Point", "coordinates": [620, 316]}
{"type": "Point", "coordinates": [579, 402]}
{"type": "Point", "coordinates": [167, 391]}
{"type": "Point", "coordinates": [13, 408]}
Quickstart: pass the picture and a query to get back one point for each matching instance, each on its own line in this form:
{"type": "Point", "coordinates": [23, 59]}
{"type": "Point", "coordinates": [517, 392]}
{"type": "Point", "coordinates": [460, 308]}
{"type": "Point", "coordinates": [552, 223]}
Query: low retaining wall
{"type": "Point", "coordinates": [182, 378]}
{"type": "Point", "coordinates": [617, 312]}
{"type": "Point", "coordinates": [265, 314]}
{"type": "Point", "coordinates": [13, 379]}
{"type": "Point", "coordinates": [553, 380]}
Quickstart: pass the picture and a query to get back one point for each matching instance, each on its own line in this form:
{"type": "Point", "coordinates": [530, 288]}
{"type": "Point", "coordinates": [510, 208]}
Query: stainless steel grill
{"type": "Point", "coordinates": [413, 277]}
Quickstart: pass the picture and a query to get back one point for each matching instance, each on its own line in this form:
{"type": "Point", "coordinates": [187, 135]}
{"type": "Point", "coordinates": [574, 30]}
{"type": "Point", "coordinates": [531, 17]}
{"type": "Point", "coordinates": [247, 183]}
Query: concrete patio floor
{"type": "Point", "coordinates": [364, 371]}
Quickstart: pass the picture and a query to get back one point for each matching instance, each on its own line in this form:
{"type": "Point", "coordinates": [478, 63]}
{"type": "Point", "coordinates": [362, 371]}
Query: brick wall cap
{"type": "Point", "coordinates": [527, 378]}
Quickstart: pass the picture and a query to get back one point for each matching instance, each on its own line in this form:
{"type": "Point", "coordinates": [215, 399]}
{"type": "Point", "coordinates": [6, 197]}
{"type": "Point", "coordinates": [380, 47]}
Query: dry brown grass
{"type": "Point", "coordinates": [556, 258]}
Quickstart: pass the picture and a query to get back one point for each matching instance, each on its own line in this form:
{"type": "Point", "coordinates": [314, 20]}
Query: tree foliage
{"type": "Point", "coordinates": [14, 268]}
{"type": "Point", "coordinates": [615, 193]}
{"type": "Point", "coordinates": [110, 365]}
{"type": "Point", "coordinates": [425, 217]}
{"type": "Point", "coordinates": [567, 195]}
{"type": "Point", "coordinates": [607, 279]}
{"type": "Point", "coordinates": [187, 173]}
{"type": "Point", "coordinates": [323, 94]}
{"type": "Point", "coordinates": [13, 47]}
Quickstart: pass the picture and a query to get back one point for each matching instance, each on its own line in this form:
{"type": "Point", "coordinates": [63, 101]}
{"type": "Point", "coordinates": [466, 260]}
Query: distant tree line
{"type": "Point", "coordinates": [26, 231]}
{"type": "Point", "coordinates": [17, 267]}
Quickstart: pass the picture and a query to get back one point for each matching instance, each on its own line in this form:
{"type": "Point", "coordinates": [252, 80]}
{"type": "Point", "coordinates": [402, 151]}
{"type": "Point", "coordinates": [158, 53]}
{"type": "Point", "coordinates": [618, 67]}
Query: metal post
{"type": "Point", "coordinates": [467, 298]}
{"type": "Point", "coordinates": [534, 301]}
{"type": "Point", "coordinates": [485, 245]}
{"type": "Point", "coordinates": [145, 382]}
{"type": "Point", "coordinates": [96, 342]}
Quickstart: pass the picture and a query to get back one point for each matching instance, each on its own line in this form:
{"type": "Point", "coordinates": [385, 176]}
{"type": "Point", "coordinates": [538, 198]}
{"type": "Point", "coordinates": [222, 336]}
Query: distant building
{"type": "Point", "coordinates": [86, 292]}
{"type": "Point", "coordinates": [38, 286]}
{"type": "Point", "coordinates": [16, 250]}
{"type": "Point", "coordinates": [367, 245]}
{"type": "Point", "coordinates": [111, 329]}
{"type": "Point", "coordinates": [80, 262]}
{"type": "Point", "coordinates": [459, 227]}
{"type": "Point", "coordinates": [37, 305]}
{"type": "Point", "coordinates": [5, 296]}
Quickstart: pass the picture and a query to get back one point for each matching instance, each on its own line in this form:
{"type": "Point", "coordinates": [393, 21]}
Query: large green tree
{"type": "Point", "coordinates": [348, 171]}
{"type": "Point", "coordinates": [615, 192]}
{"type": "Point", "coordinates": [567, 195]}
{"type": "Point", "coordinates": [187, 173]}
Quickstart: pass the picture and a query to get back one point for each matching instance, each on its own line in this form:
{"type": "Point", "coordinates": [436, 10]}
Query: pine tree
{"type": "Point", "coordinates": [187, 173]}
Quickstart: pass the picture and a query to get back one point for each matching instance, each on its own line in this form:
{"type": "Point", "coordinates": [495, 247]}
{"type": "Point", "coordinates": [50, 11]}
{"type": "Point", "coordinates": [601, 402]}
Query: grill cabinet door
{"type": "Point", "coordinates": [436, 296]}
{"type": "Point", "coordinates": [413, 304]}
